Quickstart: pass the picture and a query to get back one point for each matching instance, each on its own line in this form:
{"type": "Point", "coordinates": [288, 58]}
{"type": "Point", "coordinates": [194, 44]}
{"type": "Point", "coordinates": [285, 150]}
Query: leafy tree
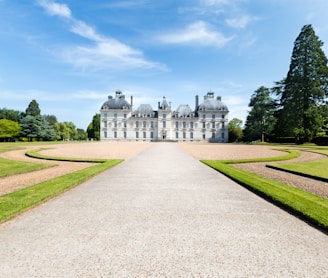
{"type": "Point", "coordinates": [260, 120]}
{"type": "Point", "coordinates": [10, 114]}
{"type": "Point", "coordinates": [31, 127]}
{"type": "Point", "coordinates": [235, 130]}
{"type": "Point", "coordinates": [51, 119]}
{"type": "Point", "coordinates": [33, 109]}
{"type": "Point", "coordinates": [9, 129]}
{"type": "Point", "coordinates": [304, 89]}
{"type": "Point", "coordinates": [67, 131]}
{"type": "Point", "coordinates": [81, 134]}
{"type": "Point", "coordinates": [37, 128]}
{"type": "Point", "coordinates": [94, 127]}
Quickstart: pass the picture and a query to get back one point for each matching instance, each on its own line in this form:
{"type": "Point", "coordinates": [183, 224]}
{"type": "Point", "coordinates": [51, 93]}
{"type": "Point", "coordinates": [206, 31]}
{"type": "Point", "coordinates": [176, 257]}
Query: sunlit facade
{"type": "Point", "coordinates": [207, 122]}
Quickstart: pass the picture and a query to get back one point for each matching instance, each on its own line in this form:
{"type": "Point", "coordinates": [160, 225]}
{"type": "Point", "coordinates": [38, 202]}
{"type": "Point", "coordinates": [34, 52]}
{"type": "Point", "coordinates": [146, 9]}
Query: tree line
{"type": "Point", "coordinates": [32, 126]}
{"type": "Point", "coordinates": [295, 108]}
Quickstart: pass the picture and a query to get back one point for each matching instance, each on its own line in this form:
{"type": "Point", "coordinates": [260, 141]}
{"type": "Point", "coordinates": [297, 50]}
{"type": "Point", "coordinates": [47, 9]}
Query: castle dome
{"type": "Point", "coordinates": [183, 110]}
{"type": "Point", "coordinates": [212, 104]}
{"type": "Point", "coordinates": [116, 103]}
{"type": "Point", "coordinates": [144, 110]}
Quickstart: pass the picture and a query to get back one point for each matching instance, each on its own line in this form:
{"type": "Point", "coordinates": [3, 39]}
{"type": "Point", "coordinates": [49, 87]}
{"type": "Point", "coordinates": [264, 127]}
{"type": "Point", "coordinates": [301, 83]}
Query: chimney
{"type": "Point", "coordinates": [218, 98]}
{"type": "Point", "coordinates": [196, 102]}
{"type": "Point", "coordinates": [159, 105]}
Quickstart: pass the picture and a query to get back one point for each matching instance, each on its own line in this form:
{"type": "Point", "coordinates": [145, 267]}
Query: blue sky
{"type": "Point", "coordinates": [70, 55]}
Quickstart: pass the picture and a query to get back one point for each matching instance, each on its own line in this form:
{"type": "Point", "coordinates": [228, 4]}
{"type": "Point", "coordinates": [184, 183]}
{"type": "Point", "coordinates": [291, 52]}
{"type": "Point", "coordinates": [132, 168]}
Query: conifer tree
{"type": "Point", "coordinates": [260, 120]}
{"type": "Point", "coordinates": [304, 89]}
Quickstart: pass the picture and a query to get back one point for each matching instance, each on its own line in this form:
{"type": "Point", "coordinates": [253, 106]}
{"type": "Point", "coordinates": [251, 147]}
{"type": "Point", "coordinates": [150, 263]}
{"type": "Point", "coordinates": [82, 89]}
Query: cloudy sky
{"type": "Point", "coordinates": [69, 55]}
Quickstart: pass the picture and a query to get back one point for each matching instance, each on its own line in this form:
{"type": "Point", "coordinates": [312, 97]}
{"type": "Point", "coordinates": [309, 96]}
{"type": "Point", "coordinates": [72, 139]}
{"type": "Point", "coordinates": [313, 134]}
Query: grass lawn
{"type": "Point", "coordinates": [304, 204]}
{"type": "Point", "coordinates": [21, 200]}
{"type": "Point", "coordinates": [313, 169]}
{"type": "Point", "coordinates": [13, 167]}
{"type": "Point", "coordinates": [316, 169]}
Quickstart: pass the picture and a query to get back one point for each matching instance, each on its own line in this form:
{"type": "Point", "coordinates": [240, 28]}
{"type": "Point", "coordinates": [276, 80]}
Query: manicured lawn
{"type": "Point", "coordinates": [13, 167]}
{"type": "Point", "coordinates": [21, 200]}
{"type": "Point", "coordinates": [304, 204]}
{"type": "Point", "coordinates": [318, 168]}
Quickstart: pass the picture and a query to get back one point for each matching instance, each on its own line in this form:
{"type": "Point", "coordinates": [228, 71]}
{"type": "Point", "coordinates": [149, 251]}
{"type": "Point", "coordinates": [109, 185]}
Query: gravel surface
{"type": "Point", "coordinates": [127, 150]}
{"type": "Point", "coordinates": [80, 150]}
{"type": "Point", "coordinates": [161, 213]}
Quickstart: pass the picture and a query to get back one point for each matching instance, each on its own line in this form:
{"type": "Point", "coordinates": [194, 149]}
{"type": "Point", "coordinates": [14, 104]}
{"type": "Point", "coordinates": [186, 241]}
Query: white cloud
{"type": "Point", "coordinates": [198, 33]}
{"type": "Point", "coordinates": [106, 52]}
{"type": "Point", "coordinates": [241, 21]}
{"type": "Point", "coordinates": [54, 8]}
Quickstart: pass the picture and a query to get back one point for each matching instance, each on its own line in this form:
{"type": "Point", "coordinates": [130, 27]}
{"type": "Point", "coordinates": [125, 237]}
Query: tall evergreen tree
{"type": "Point", "coordinates": [304, 89]}
{"type": "Point", "coordinates": [260, 120]}
{"type": "Point", "coordinates": [33, 109]}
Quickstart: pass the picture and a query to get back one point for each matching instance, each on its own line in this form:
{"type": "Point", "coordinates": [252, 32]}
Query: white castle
{"type": "Point", "coordinates": [207, 122]}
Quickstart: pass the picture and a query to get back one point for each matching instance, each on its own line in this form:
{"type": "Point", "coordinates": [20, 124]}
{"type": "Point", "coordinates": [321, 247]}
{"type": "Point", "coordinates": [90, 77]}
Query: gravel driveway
{"type": "Point", "coordinates": [160, 213]}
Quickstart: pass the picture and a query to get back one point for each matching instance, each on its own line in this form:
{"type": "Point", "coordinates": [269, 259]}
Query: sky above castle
{"type": "Point", "coordinates": [70, 55]}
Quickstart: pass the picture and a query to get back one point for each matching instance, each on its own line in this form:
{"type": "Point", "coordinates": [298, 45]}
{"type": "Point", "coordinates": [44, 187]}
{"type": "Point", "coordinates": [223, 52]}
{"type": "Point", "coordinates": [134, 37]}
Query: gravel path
{"type": "Point", "coordinates": [221, 152]}
{"type": "Point", "coordinates": [127, 150]}
{"type": "Point", "coordinates": [122, 150]}
{"type": "Point", "coordinates": [316, 187]}
{"type": "Point", "coordinates": [161, 213]}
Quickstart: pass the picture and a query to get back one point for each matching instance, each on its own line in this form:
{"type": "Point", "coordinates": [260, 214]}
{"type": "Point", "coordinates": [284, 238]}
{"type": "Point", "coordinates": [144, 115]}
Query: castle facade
{"type": "Point", "coordinates": [207, 122]}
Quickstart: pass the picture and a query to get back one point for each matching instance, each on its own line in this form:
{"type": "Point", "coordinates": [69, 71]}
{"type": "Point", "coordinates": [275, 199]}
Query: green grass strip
{"type": "Point", "coordinates": [36, 154]}
{"type": "Point", "coordinates": [10, 167]}
{"type": "Point", "coordinates": [310, 207]}
{"type": "Point", "coordinates": [21, 200]}
{"type": "Point", "coordinates": [313, 169]}
{"type": "Point", "coordinates": [291, 154]}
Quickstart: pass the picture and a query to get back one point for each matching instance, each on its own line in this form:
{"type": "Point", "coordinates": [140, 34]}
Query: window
{"type": "Point", "coordinates": [137, 124]}
{"type": "Point", "coordinates": [144, 124]}
{"type": "Point", "coordinates": [191, 124]}
{"type": "Point", "coordinates": [213, 124]}
{"type": "Point", "coordinates": [115, 134]}
{"type": "Point", "coordinates": [213, 135]}
{"type": "Point", "coordinates": [124, 124]}
{"type": "Point", "coordinates": [164, 124]}
{"type": "Point", "coordinates": [105, 123]}
{"type": "Point", "coordinates": [213, 116]}
{"type": "Point", "coordinates": [124, 134]}
{"type": "Point", "coordinates": [151, 124]}
{"type": "Point", "coordinates": [105, 134]}
{"type": "Point", "coordinates": [184, 135]}
{"type": "Point", "coordinates": [223, 125]}
{"type": "Point", "coordinates": [204, 125]}
{"type": "Point", "coordinates": [204, 137]}
{"type": "Point", "coordinates": [137, 134]}
{"type": "Point", "coordinates": [115, 124]}
{"type": "Point", "coordinates": [115, 116]}
{"type": "Point", "coordinates": [191, 135]}
{"type": "Point", "coordinates": [144, 134]}
{"type": "Point", "coordinates": [177, 135]}
{"type": "Point", "coordinates": [151, 135]}
{"type": "Point", "coordinates": [164, 116]}
{"type": "Point", "coordinates": [222, 135]}
{"type": "Point", "coordinates": [184, 124]}
{"type": "Point", "coordinates": [176, 124]}
{"type": "Point", "coordinates": [105, 115]}
{"type": "Point", "coordinates": [222, 116]}
{"type": "Point", "coordinates": [204, 116]}
{"type": "Point", "coordinates": [124, 116]}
